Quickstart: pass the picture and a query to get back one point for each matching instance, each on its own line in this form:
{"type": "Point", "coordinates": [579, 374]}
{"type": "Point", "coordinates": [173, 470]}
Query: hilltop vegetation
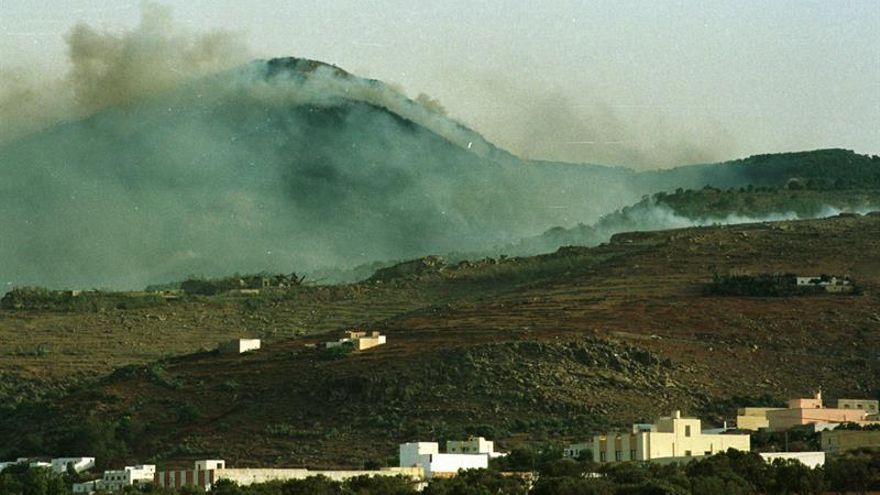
{"type": "Point", "coordinates": [818, 169]}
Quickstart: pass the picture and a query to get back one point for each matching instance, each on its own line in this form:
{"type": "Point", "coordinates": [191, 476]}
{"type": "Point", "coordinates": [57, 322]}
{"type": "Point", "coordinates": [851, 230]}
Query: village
{"type": "Point", "coordinates": [846, 425]}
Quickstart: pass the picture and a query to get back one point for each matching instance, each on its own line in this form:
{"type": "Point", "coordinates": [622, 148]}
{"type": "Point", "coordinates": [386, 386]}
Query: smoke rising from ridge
{"type": "Point", "coordinates": [537, 119]}
{"type": "Point", "coordinates": [186, 167]}
{"type": "Point", "coordinates": [110, 68]}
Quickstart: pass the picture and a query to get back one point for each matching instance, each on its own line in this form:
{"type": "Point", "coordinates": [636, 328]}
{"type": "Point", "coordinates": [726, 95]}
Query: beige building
{"type": "Point", "coordinates": [359, 340]}
{"type": "Point", "coordinates": [840, 441]}
{"type": "Point", "coordinates": [869, 406]}
{"type": "Point", "coordinates": [753, 418]}
{"type": "Point", "coordinates": [673, 438]}
{"type": "Point", "coordinates": [805, 411]}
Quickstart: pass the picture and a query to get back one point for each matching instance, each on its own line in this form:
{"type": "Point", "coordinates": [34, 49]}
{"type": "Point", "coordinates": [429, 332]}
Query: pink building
{"type": "Point", "coordinates": [811, 410]}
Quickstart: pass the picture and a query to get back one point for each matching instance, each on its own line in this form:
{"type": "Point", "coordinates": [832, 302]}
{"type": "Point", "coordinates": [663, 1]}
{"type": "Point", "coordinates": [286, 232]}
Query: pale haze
{"type": "Point", "coordinates": [642, 84]}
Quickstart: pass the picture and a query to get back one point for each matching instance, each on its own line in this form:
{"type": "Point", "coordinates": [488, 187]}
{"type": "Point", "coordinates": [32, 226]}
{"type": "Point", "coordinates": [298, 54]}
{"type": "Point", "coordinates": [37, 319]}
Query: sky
{"type": "Point", "coordinates": [636, 83]}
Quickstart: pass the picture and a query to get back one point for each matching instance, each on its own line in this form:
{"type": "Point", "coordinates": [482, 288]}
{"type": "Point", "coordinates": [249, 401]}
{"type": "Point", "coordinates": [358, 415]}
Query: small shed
{"type": "Point", "coordinates": [240, 346]}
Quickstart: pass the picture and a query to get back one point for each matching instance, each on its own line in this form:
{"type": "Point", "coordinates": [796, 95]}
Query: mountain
{"type": "Point", "coordinates": [281, 165]}
{"type": "Point", "coordinates": [294, 165]}
{"type": "Point", "coordinates": [524, 350]}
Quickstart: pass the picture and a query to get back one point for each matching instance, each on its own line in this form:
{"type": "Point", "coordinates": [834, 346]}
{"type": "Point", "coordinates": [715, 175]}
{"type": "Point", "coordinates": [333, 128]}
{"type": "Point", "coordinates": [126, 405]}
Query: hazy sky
{"type": "Point", "coordinates": [639, 83]}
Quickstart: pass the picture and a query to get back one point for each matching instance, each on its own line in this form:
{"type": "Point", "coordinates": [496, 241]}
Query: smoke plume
{"type": "Point", "coordinates": [115, 69]}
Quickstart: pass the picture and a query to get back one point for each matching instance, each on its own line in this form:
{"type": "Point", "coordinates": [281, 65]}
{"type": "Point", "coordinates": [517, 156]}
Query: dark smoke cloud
{"type": "Point", "coordinates": [115, 68]}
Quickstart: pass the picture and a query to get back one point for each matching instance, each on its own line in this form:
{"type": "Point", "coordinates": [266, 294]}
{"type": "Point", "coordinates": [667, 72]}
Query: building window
{"type": "Point", "coordinates": [687, 453]}
{"type": "Point", "coordinates": [687, 430]}
{"type": "Point", "coordinates": [618, 455]}
{"type": "Point", "coordinates": [632, 455]}
{"type": "Point", "coordinates": [602, 457]}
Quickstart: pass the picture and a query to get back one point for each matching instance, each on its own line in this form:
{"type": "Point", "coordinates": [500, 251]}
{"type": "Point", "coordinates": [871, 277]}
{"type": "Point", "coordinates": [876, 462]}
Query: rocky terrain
{"type": "Point", "coordinates": [537, 349]}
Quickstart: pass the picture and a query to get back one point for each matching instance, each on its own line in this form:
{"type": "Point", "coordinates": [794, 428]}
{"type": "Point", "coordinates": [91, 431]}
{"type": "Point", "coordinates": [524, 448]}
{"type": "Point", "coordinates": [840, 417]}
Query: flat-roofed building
{"type": "Point", "coordinates": [671, 438]}
{"type": "Point", "coordinates": [805, 411]}
{"type": "Point", "coordinates": [869, 406]}
{"type": "Point", "coordinates": [753, 418]}
{"type": "Point", "coordinates": [839, 441]}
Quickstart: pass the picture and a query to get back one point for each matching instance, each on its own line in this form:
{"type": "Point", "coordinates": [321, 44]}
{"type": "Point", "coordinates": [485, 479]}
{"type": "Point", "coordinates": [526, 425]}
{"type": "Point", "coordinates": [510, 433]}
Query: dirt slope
{"type": "Point", "coordinates": [560, 345]}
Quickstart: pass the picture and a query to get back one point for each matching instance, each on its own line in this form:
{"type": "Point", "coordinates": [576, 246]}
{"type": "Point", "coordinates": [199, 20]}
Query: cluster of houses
{"type": "Point", "coordinates": [809, 411]}
{"type": "Point", "coordinates": [676, 438]}
{"type": "Point", "coordinates": [58, 464]}
{"type": "Point", "coordinates": [673, 438]}
{"type": "Point", "coordinates": [419, 462]}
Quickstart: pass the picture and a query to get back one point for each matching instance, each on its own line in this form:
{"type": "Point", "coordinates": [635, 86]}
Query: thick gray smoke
{"type": "Point", "coordinates": [110, 68]}
{"type": "Point", "coordinates": [286, 165]}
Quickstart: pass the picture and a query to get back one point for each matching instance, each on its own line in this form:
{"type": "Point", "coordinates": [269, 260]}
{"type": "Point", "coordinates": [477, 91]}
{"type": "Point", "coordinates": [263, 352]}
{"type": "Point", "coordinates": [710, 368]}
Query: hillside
{"type": "Point", "coordinates": [522, 349]}
{"type": "Point", "coordinates": [706, 206]}
{"type": "Point", "coordinates": [817, 169]}
{"type": "Point", "coordinates": [280, 165]}
{"type": "Point", "coordinates": [295, 165]}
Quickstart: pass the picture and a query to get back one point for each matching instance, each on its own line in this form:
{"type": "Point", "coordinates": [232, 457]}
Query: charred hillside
{"type": "Point", "coordinates": [576, 340]}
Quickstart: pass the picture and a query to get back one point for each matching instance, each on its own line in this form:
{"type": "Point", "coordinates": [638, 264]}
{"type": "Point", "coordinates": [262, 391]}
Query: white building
{"type": "Point", "coordinates": [115, 480]}
{"type": "Point", "coordinates": [473, 445]}
{"type": "Point", "coordinates": [79, 464]}
{"type": "Point", "coordinates": [810, 459]}
{"type": "Point", "coordinates": [427, 456]}
{"type": "Point", "coordinates": [240, 346]}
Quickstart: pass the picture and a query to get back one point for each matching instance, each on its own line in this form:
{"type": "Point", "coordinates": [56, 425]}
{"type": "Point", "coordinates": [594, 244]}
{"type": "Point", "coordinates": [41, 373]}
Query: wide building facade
{"type": "Point", "coordinates": [672, 438]}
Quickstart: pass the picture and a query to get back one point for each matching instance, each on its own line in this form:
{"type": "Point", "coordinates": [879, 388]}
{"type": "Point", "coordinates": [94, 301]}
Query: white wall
{"type": "Point", "coordinates": [810, 459]}
{"type": "Point", "coordinates": [253, 476]}
{"type": "Point", "coordinates": [452, 463]}
{"type": "Point", "coordinates": [80, 464]}
{"type": "Point", "coordinates": [415, 453]}
{"type": "Point", "coordinates": [245, 345]}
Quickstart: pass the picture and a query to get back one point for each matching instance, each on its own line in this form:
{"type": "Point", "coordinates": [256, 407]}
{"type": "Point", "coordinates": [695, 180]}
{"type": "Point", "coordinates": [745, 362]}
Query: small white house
{"type": "Point", "coordinates": [427, 456]}
{"type": "Point", "coordinates": [79, 464]}
{"type": "Point", "coordinates": [117, 479]}
{"type": "Point", "coordinates": [240, 346]}
{"type": "Point", "coordinates": [473, 445]}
